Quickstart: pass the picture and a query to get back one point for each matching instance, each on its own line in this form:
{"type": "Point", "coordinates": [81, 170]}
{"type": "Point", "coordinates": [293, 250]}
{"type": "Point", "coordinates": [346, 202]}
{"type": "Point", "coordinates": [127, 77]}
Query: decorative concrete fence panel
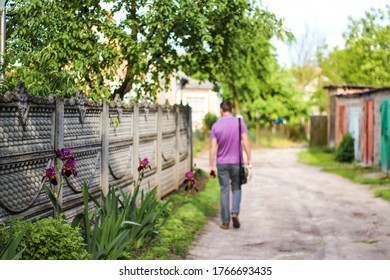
{"type": "Point", "coordinates": [108, 141]}
{"type": "Point", "coordinates": [26, 148]}
{"type": "Point", "coordinates": [81, 123]}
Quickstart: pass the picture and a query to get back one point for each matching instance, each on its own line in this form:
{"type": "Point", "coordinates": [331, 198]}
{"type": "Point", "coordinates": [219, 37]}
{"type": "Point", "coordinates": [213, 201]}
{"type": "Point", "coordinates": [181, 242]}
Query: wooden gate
{"type": "Point", "coordinates": [318, 131]}
{"type": "Point", "coordinates": [368, 140]}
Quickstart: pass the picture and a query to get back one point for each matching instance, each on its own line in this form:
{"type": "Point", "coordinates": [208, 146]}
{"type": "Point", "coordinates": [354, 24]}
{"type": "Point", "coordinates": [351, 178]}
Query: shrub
{"type": "Point", "coordinates": [50, 239]}
{"type": "Point", "coordinates": [189, 214]}
{"type": "Point", "coordinates": [199, 135]}
{"type": "Point", "coordinates": [121, 222]}
{"type": "Point", "coordinates": [345, 151]}
{"type": "Point", "coordinates": [9, 242]}
{"type": "Point", "coordinates": [209, 120]}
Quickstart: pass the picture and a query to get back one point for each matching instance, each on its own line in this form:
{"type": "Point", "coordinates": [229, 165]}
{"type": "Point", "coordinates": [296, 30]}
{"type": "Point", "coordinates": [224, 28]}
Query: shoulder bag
{"type": "Point", "coordinates": [243, 169]}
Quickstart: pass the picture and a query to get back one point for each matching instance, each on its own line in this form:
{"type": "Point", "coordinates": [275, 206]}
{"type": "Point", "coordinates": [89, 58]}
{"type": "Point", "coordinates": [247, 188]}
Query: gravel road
{"type": "Point", "coordinates": [294, 211]}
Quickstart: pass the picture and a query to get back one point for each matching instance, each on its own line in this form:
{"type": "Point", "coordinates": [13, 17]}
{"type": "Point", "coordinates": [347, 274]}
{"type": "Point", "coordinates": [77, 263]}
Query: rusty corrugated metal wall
{"type": "Point", "coordinates": [368, 138]}
{"type": "Point", "coordinates": [341, 123]}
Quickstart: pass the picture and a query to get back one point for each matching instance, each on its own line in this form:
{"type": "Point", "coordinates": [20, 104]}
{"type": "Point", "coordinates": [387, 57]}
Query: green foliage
{"type": "Point", "coordinates": [365, 56]}
{"type": "Point", "coordinates": [54, 200]}
{"type": "Point", "coordinates": [199, 135]}
{"type": "Point", "coordinates": [383, 193]}
{"type": "Point", "coordinates": [61, 46]}
{"type": "Point", "coordinates": [343, 172]}
{"type": "Point", "coordinates": [54, 47]}
{"type": "Point", "coordinates": [345, 150]}
{"type": "Point", "coordinates": [274, 96]}
{"type": "Point", "coordinates": [188, 216]}
{"type": "Point", "coordinates": [49, 239]}
{"type": "Point", "coordinates": [119, 223]}
{"type": "Point", "coordinates": [9, 242]}
{"type": "Point", "coordinates": [243, 31]}
{"type": "Point", "coordinates": [324, 157]}
{"type": "Point", "coordinates": [317, 157]}
{"type": "Point", "coordinates": [209, 120]}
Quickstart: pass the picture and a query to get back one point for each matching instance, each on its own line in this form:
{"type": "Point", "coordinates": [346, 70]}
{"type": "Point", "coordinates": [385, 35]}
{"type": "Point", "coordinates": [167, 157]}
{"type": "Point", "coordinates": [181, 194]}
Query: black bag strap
{"type": "Point", "coordinates": [239, 141]}
{"type": "Point", "coordinates": [239, 148]}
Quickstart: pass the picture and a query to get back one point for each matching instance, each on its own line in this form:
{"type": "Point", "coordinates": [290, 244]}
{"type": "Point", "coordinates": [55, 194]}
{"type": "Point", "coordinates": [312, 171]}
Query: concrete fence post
{"type": "Point", "coordinates": [177, 150]}
{"type": "Point", "coordinates": [159, 151]}
{"type": "Point", "coordinates": [59, 135]}
{"type": "Point", "coordinates": [189, 130]}
{"type": "Point", "coordinates": [135, 141]}
{"type": "Point", "coordinates": [105, 156]}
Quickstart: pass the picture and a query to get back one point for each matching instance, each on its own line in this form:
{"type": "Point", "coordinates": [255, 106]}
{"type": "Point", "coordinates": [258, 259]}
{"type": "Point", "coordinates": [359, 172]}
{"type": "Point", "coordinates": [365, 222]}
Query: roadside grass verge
{"type": "Point", "coordinates": [324, 157]}
{"type": "Point", "coordinates": [318, 157]}
{"type": "Point", "coordinates": [383, 193]}
{"type": "Point", "coordinates": [188, 214]}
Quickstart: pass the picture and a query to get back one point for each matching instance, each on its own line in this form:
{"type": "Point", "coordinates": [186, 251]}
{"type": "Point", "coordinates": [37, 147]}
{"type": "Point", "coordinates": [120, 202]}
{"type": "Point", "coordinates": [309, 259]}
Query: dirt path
{"type": "Point", "coordinates": [294, 211]}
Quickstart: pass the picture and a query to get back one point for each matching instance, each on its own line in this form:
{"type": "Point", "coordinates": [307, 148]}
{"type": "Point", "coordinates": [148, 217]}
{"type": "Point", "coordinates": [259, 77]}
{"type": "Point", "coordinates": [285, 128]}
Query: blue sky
{"type": "Point", "coordinates": [327, 18]}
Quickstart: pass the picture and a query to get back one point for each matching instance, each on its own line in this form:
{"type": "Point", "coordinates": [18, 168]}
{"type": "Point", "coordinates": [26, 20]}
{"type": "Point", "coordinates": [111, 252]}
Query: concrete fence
{"type": "Point", "coordinates": [108, 141]}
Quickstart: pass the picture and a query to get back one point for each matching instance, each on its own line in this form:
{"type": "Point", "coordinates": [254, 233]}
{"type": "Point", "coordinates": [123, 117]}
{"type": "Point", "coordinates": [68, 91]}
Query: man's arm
{"type": "Point", "coordinates": [213, 154]}
{"type": "Point", "coordinates": [247, 147]}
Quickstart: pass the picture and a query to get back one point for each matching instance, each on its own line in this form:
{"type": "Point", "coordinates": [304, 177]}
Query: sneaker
{"type": "Point", "coordinates": [236, 222]}
{"type": "Point", "coordinates": [224, 226]}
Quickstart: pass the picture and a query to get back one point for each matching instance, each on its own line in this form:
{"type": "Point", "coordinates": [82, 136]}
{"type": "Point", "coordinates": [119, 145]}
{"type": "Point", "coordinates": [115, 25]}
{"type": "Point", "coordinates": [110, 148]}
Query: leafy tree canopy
{"type": "Point", "coordinates": [277, 96]}
{"type": "Point", "coordinates": [59, 46]}
{"type": "Point", "coordinates": [55, 48]}
{"type": "Point", "coordinates": [366, 55]}
{"type": "Point", "coordinates": [241, 53]}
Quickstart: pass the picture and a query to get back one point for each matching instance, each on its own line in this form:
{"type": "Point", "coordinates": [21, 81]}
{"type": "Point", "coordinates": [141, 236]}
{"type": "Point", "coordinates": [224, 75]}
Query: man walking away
{"type": "Point", "coordinates": [226, 146]}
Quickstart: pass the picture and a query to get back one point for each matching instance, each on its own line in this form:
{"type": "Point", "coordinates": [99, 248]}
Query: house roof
{"type": "Point", "coordinates": [368, 91]}
{"type": "Point", "coordinates": [334, 86]}
{"type": "Point", "coordinates": [345, 89]}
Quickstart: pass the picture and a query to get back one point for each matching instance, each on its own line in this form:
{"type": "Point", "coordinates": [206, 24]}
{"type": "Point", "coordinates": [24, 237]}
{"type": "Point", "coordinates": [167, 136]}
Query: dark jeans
{"type": "Point", "coordinates": [229, 174]}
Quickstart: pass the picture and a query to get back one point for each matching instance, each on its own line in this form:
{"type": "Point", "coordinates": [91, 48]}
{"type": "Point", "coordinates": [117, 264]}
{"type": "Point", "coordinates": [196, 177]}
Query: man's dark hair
{"type": "Point", "coordinates": [226, 106]}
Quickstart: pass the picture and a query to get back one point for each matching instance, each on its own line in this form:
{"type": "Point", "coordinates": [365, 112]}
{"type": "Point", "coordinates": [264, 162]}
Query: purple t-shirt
{"type": "Point", "coordinates": [226, 132]}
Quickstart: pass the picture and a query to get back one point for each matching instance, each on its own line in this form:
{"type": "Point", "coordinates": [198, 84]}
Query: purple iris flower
{"type": "Point", "coordinates": [69, 168]}
{"type": "Point", "coordinates": [64, 153]}
{"type": "Point", "coordinates": [144, 164]}
{"type": "Point", "coordinates": [51, 174]}
{"type": "Point", "coordinates": [189, 181]}
{"type": "Point", "coordinates": [189, 175]}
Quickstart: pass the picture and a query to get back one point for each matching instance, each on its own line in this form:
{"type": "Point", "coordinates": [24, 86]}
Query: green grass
{"type": "Point", "coordinates": [346, 173]}
{"type": "Point", "coordinates": [383, 193]}
{"type": "Point", "coordinates": [324, 157]}
{"type": "Point", "coordinates": [188, 215]}
{"type": "Point", "coordinates": [318, 157]}
{"type": "Point", "coordinates": [369, 241]}
{"type": "Point", "coordinates": [360, 175]}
